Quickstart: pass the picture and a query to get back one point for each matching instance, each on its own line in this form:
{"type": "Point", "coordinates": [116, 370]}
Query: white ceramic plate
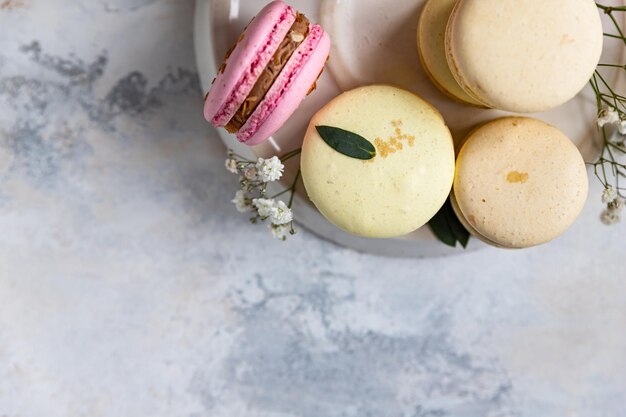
{"type": "Point", "coordinates": [373, 42]}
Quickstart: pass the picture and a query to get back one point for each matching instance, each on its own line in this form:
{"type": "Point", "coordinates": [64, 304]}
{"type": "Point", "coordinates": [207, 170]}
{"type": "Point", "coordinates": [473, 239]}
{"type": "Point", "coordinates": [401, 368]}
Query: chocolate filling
{"type": "Point", "coordinates": [299, 30]}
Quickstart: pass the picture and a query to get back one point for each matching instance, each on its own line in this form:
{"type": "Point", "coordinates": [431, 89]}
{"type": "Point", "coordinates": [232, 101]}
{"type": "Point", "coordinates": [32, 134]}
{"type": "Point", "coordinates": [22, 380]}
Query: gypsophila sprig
{"type": "Point", "coordinates": [614, 206]}
{"type": "Point", "coordinates": [607, 116]}
{"type": "Point", "coordinates": [270, 169]}
{"type": "Point", "coordinates": [264, 207]}
{"type": "Point", "coordinates": [231, 165]}
{"type": "Point", "coordinates": [610, 167]}
{"type": "Point", "coordinates": [608, 195]}
{"type": "Point", "coordinates": [243, 204]}
{"type": "Point", "coordinates": [254, 177]}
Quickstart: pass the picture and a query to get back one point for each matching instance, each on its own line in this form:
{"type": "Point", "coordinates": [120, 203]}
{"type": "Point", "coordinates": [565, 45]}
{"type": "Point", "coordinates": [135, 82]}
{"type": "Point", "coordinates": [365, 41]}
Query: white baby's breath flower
{"type": "Point", "coordinates": [608, 195]}
{"type": "Point", "coordinates": [607, 116]}
{"type": "Point", "coordinates": [250, 173]}
{"type": "Point", "coordinates": [279, 232]}
{"type": "Point", "coordinates": [231, 165]}
{"type": "Point", "coordinates": [610, 217]}
{"type": "Point", "coordinates": [617, 204]}
{"type": "Point", "coordinates": [622, 127]}
{"type": "Point", "coordinates": [282, 214]}
{"type": "Point", "coordinates": [265, 207]}
{"type": "Point", "coordinates": [270, 169]}
{"type": "Point", "coordinates": [242, 202]}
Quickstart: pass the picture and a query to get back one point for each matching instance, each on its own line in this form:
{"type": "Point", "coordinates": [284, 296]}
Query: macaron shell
{"type": "Point", "coordinates": [251, 55]}
{"type": "Point", "coordinates": [289, 89]}
{"type": "Point", "coordinates": [432, 51]}
{"type": "Point", "coordinates": [524, 56]}
{"type": "Point", "coordinates": [403, 186]}
{"type": "Point", "coordinates": [453, 66]}
{"type": "Point", "coordinates": [520, 182]}
{"type": "Point", "coordinates": [466, 224]}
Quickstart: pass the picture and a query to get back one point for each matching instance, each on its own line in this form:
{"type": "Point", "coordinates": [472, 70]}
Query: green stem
{"type": "Point", "coordinates": [290, 189]}
{"type": "Point", "coordinates": [612, 65]}
{"type": "Point", "coordinates": [610, 35]}
{"type": "Point", "coordinates": [293, 188]}
{"type": "Point", "coordinates": [290, 155]}
{"type": "Point", "coordinates": [609, 9]}
{"type": "Point", "coordinates": [608, 87]}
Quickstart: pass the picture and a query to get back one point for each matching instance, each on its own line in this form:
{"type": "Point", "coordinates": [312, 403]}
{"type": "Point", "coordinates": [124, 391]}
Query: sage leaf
{"type": "Point", "coordinates": [347, 143]}
{"type": "Point", "coordinates": [447, 227]}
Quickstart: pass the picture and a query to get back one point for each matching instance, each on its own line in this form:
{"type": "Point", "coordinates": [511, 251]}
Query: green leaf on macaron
{"type": "Point", "coordinates": [347, 143]}
{"type": "Point", "coordinates": [447, 227]}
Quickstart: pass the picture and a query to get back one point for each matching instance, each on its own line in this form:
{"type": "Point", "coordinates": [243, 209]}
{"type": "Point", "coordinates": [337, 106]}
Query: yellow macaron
{"type": "Point", "coordinates": [523, 55]}
{"type": "Point", "coordinates": [407, 181]}
{"type": "Point", "coordinates": [519, 182]}
{"type": "Point", "coordinates": [431, 31]}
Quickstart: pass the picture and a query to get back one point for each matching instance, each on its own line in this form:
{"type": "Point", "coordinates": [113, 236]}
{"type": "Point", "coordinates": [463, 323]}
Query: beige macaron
{"type": "Point", "coordinates": [523, 55]}
{"type": "Point", "coordinates": [519, 182]}
{"type": "Point", "coordinates": [403, 186]}
{"type": "Point", "coordinates": [431, 31]}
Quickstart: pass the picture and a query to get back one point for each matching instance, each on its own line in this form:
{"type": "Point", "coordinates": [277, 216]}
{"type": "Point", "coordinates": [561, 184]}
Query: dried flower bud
{"type": "Point", "coordinates": [617, 204]}
{"type": "Point", "coordinates": [610, 217]}
{"type": "Point", "coordinates": [250, 173]}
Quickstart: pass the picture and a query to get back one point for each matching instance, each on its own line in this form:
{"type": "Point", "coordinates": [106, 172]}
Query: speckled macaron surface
{"type": "Point", "coordinates": [431, 33]}
{"type": "Point", "coordinates": [519, 182]}
{"type": "Point", "coordinates": [524, 56]}
{"type": "Point", "coordinates": [403, 186]}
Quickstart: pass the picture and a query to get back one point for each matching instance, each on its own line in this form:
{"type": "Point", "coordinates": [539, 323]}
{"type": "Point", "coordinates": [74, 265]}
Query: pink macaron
{"type": "Point", "coordinates": [266, 75]}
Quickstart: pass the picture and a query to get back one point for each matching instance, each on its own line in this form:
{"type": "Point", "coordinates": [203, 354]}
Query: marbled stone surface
{"type": "Point", "coordinates": [130, 287]}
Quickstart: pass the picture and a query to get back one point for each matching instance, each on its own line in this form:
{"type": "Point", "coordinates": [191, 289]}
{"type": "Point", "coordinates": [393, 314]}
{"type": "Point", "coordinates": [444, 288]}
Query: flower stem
{"type": "Point", "coordinates": [612, 65]}
{"type": "Point", "coordinates": [609, 9]}
{"type": "Point", "coordinates": [293, 188]}
{"type": "Point", "coordinates": [608, 167]}
{"type": "Point", "coordinates": [290, 155]}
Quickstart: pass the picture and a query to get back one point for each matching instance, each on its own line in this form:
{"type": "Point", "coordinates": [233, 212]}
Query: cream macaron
{"type": "Point", "coordinates": [519, 183]}
{"type": "Point", "coordinates": [523, 55]}
{"type": "Point", "coordinates": [431, 31]}
{"type": "Point", "coordinates": [403, 186]}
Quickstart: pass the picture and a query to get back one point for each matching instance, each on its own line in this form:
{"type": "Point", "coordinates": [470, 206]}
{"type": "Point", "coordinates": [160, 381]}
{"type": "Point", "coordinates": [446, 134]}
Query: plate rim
{"type": "Point", "coordinates": [306, 215]}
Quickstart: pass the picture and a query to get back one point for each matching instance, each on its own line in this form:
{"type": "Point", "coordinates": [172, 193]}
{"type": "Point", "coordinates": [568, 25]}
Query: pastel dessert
{"type": "Point", "coordinates": [266, 75]}
{"type": "Point", "coordinates": [523, 56]}
{"type": "Point", "coordinates": [398, 190]}
{"type": "Point", "coordinates": [431, 33]}
{"type": "Point", "coordinates": [519, 182]}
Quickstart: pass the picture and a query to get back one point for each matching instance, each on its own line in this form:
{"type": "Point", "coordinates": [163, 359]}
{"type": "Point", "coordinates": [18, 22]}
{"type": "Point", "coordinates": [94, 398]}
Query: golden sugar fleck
{"type": "Point", "coordinates": [515, 177]}
{"type": "Point", "coordinates": [394, 143]}
{"type": "Point", "coordinates": [383, 148]}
